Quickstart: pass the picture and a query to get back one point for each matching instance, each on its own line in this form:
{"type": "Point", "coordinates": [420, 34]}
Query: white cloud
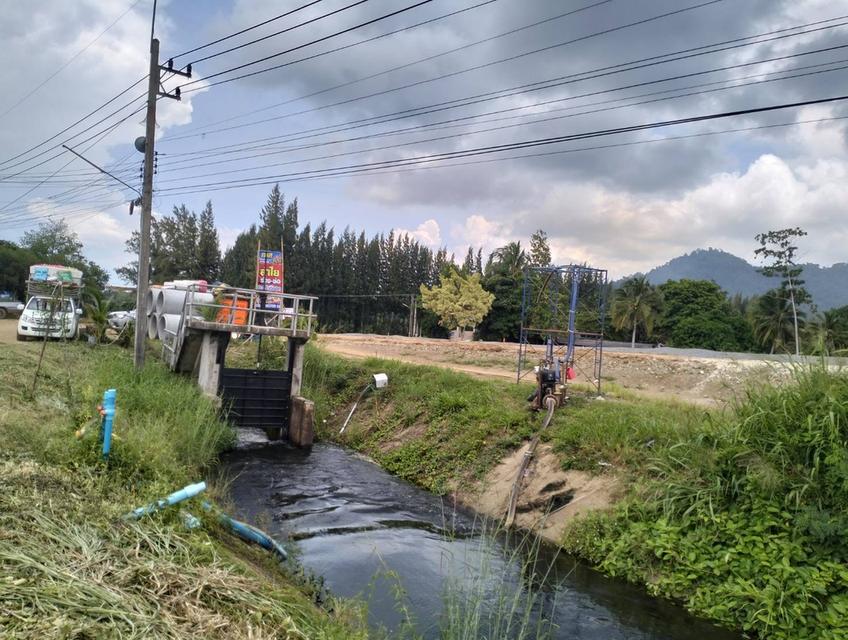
{"type": "Point", "coordinates": [427, 233]}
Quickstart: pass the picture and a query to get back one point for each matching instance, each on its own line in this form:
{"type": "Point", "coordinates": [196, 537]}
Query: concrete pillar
{"type": "Point", "coordinates": [213, 348]}
{"type": "Point", "coordinates": [302, 422]}
{"type": "Point", "coordinates": [295, 349]}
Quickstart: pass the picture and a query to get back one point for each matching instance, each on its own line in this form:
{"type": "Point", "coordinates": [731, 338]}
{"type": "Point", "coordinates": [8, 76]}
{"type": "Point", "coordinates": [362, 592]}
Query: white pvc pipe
{"type": "Point", "coordinates": [153, 326]}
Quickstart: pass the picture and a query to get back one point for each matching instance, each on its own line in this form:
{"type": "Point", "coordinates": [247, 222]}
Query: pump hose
{"type": "Point", "coordinates": [550, 404]}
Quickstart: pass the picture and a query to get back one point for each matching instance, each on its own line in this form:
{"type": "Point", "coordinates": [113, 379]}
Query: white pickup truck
{"type": "Point", "coordinates": [53, 306]}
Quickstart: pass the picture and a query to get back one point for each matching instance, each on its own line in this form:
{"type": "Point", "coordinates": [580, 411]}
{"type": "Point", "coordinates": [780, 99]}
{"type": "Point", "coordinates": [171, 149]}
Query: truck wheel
{"type": "Point", "coordinates": [3, 313]}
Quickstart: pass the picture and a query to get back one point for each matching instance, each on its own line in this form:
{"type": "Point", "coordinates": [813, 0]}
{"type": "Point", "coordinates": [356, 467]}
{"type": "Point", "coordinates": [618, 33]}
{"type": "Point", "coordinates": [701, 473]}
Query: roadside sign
{"type": "Point", "coordinates": [269, 276]}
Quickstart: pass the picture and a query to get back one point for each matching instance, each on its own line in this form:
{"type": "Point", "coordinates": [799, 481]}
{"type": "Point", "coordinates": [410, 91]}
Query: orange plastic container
{"type": "Point", "coordinates": [235, 311]}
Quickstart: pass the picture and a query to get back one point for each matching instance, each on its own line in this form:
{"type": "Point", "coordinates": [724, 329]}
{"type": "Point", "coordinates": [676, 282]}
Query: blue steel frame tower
{"type": "Point", "coordinates": [551, 299]}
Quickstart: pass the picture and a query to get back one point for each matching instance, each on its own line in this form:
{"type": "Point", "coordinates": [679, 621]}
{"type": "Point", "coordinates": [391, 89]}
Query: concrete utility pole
{"type": "Point", "coordinates": [146, 208]}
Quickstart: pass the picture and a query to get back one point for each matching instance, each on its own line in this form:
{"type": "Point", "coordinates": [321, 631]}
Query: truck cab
{"type": "Point", "coordinates": [43, 314]}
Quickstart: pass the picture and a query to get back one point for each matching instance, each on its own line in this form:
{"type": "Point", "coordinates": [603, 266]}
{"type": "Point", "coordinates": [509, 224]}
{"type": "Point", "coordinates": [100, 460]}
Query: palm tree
{"type": "Point", "coordinates": [827, 332]}
{"type": "Point", "coordinates": [511, 258]}
{"type": "Point", "coordinates": [773, 320]}
{"type": "Point", "coordinates": [635, 302]}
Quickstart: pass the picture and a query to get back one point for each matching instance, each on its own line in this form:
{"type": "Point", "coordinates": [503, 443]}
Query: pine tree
{"type": "Point", "coordinates": [239, 264]}
{"type": "Point", "coordinates": [272, 220]}
{"type": "Point", "coordinates": [468, 263]}
{"type": "Point", "coordinates": [208, 256]}
{"type": "Point", "coordinates": [540, 252]}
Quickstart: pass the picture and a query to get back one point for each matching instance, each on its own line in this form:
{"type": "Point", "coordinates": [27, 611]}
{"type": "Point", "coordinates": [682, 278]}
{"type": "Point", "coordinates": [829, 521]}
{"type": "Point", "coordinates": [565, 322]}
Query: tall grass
{"type": "Point", "coordinates": [72, 568]}
{"type": "Point", "coordinates": [745, 518]}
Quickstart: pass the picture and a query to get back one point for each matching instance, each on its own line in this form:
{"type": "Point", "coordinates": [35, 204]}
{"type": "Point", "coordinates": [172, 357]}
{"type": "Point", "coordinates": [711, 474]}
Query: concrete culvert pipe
{"type": "Point", "coordinates": [168, 322]}
{"type": "Point", "coordinates": [153, 326]}
{"type": "Point", "coordinates": [150, 300]}
{"type": "Point", "coordinates": [171, 301]}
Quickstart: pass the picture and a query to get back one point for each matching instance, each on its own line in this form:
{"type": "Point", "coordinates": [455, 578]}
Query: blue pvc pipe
{"type": "Point", "coordinates": [109, 397]}
{"type": "Point", "coordinates": [250, 534]}
{"type": "Point", "coordinates": [178, 496]}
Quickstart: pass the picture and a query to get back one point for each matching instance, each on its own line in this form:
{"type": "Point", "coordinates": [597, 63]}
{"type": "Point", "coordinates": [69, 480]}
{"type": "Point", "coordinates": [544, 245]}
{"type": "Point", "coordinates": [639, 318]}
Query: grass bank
{"type": "Point", "coordinates": [740, 514]}
{"type": "Point", "coordinates": [72, 568]}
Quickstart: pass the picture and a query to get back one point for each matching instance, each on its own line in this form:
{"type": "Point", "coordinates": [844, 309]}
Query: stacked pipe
{"type": "Point", "coordinates": [168, 308]}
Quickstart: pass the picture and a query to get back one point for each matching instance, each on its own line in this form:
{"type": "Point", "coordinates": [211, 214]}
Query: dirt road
{"type": "Point", "coordinates": [700, 380]}
{"type": "Point", "coordinates": [8, 330]}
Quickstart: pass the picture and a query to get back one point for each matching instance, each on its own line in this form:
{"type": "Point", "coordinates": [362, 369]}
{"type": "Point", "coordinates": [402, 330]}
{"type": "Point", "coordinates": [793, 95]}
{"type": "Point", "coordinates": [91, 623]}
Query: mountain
{"type": "Point", "coordinates": [827, 285]}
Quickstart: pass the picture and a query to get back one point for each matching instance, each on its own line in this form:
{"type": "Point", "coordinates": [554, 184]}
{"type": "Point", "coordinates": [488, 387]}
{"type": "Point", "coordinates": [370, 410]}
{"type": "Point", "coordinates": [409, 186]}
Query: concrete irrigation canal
{"type": "Point", "coordinates": [366, 532]}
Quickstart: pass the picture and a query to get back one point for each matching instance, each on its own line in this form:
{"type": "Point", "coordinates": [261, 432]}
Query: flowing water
{"type": "Point", "coordinates": [367, 533]}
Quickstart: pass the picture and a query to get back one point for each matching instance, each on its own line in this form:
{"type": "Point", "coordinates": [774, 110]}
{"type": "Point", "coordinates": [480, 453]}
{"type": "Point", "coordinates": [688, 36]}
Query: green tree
{"type": "Point", "coordinates": [459, 301]}
{"type": "Point", "coordinates": [503, 277]}
{"type": "Point", "coordinates": [697, 313]}
{"type": "Point", "coordinates": [208, 252]}
{"type": "Point", "coordinates": [828, 332]}
{"type": "Point", "coordinates": [636, 302]}
{"type": "Point", "coordinates": [14, 268]}
{"type": "Point", "coordinates": [773, 320]}
{"type": "Point", "coordinates": [777, 246]}
{"type": "Point", "coordinates": [540, 251]}
{"type": "Point", "coordinates": [238, 268]}
{"type": "Point", "coordinates": [55, 242]}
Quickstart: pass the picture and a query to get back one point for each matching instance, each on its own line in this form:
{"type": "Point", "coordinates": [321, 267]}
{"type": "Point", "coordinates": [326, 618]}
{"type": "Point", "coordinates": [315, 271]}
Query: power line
{"type": "Point", "coordinates": [455, 73]}
{"type": "Point", "coordinates": [523, 156]}
{"type": "Point", "coordinates": [258, 180]}
{"type": "Point", "coordinates": [307, 44]}
{"type": "Point", "coordinates": [189, 161]}
{"type": "Point", "coordinates": [582, 76]}
{"type": "Point", "coordinates": [71, 126]}
{"type": "Point", "coordinates": [282, 31]}
{"type": "Point", "coordinates": [529, 87]}
{"type": "Point", "coordinates": [250, 28]}
{"type": "Point", "coordinates": [408, 64]}
{"type": "Point", "coordinates": [502, 127]}
{"type": "Point", "coordinates": [70, 60]}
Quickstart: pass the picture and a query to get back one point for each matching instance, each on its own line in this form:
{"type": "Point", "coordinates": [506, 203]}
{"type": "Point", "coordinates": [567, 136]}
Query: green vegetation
{"type": "Point", "coordinates": [72, 568]}
{"type": "Point", "coordinates": [635, 303]}
{"type": "Point", "coordinates": [740, 513]}
{"type": "Point", "coordinates": [743, 517]}
{"type": "Point", "coordinates": [431, 426]}
{"type": "Point", "coordinates": [459, 301]}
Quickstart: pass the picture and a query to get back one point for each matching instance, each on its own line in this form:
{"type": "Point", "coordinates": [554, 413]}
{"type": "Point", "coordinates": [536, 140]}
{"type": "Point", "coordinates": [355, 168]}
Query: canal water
{"type": "Point", "coordinates": [374, 536]}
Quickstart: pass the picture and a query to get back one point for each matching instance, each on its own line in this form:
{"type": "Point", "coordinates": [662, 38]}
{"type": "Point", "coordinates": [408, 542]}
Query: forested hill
{"type": "Point", "coordinates": [827, 285]}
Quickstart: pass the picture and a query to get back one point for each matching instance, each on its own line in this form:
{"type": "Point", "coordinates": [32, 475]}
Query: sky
{"type": "Point", "coordinates": [495, 72]}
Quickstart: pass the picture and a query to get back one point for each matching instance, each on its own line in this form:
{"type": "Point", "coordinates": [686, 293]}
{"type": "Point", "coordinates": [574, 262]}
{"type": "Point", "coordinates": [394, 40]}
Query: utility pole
{"type": "Point", "coordinates": [154, 91]}
{"type": "Point", "coordinates": [146, 208]}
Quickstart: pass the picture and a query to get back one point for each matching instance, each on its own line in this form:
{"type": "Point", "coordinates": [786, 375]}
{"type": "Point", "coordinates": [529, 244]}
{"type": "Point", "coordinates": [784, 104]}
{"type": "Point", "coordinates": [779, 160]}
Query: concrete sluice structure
{"type": "Point", "coordinates": [195, 328]}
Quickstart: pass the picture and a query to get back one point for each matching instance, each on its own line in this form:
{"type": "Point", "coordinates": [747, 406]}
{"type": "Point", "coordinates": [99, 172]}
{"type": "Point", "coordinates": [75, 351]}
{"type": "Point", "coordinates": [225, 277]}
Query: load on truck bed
{"type": "Point", "coordinates": [53, 303]}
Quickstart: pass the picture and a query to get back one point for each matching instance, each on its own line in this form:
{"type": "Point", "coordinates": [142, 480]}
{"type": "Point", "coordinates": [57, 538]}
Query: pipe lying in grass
{"type": "Point", "coordinates": [249, 533]}
{"type": "Point", "coordinates": [178, 496]}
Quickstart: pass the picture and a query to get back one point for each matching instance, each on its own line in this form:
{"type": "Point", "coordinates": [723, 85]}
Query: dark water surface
{"type": "Point", "coordinates": [353, 524]}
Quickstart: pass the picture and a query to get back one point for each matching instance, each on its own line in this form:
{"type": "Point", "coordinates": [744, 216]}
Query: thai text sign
{"type": "Point", "coordinates": [269, 275]}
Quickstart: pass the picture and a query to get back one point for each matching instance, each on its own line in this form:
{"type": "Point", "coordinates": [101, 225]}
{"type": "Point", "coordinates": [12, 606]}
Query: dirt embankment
{"type": "Point", "coordinates": [704, 381]}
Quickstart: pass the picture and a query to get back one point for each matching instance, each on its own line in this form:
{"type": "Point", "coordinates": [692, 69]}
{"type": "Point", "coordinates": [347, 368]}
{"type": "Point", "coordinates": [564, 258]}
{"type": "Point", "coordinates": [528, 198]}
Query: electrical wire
{"type": "Point", "coordinates": [277, 33]}
{"type": "Point", "coordinates": [408, 64]}
{"type": "Point", "coordinates": [69, 60]}
{"type": "Point", "coordinates": [258, 180]}
{"type": "Point", "coordinates": [250, 28]}
{"type": "Point", "coordinates": [392, 171]}
{"type": "Point", "coordinates": [230, 171]}
{"type": "Point", "coordinates": [449, 75]}
{"type": "Point", "coordinates": [600, 72]}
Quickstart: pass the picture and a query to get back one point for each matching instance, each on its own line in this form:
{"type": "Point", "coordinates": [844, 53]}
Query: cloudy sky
{"type": "Point", "coordinates": [493, 73]}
